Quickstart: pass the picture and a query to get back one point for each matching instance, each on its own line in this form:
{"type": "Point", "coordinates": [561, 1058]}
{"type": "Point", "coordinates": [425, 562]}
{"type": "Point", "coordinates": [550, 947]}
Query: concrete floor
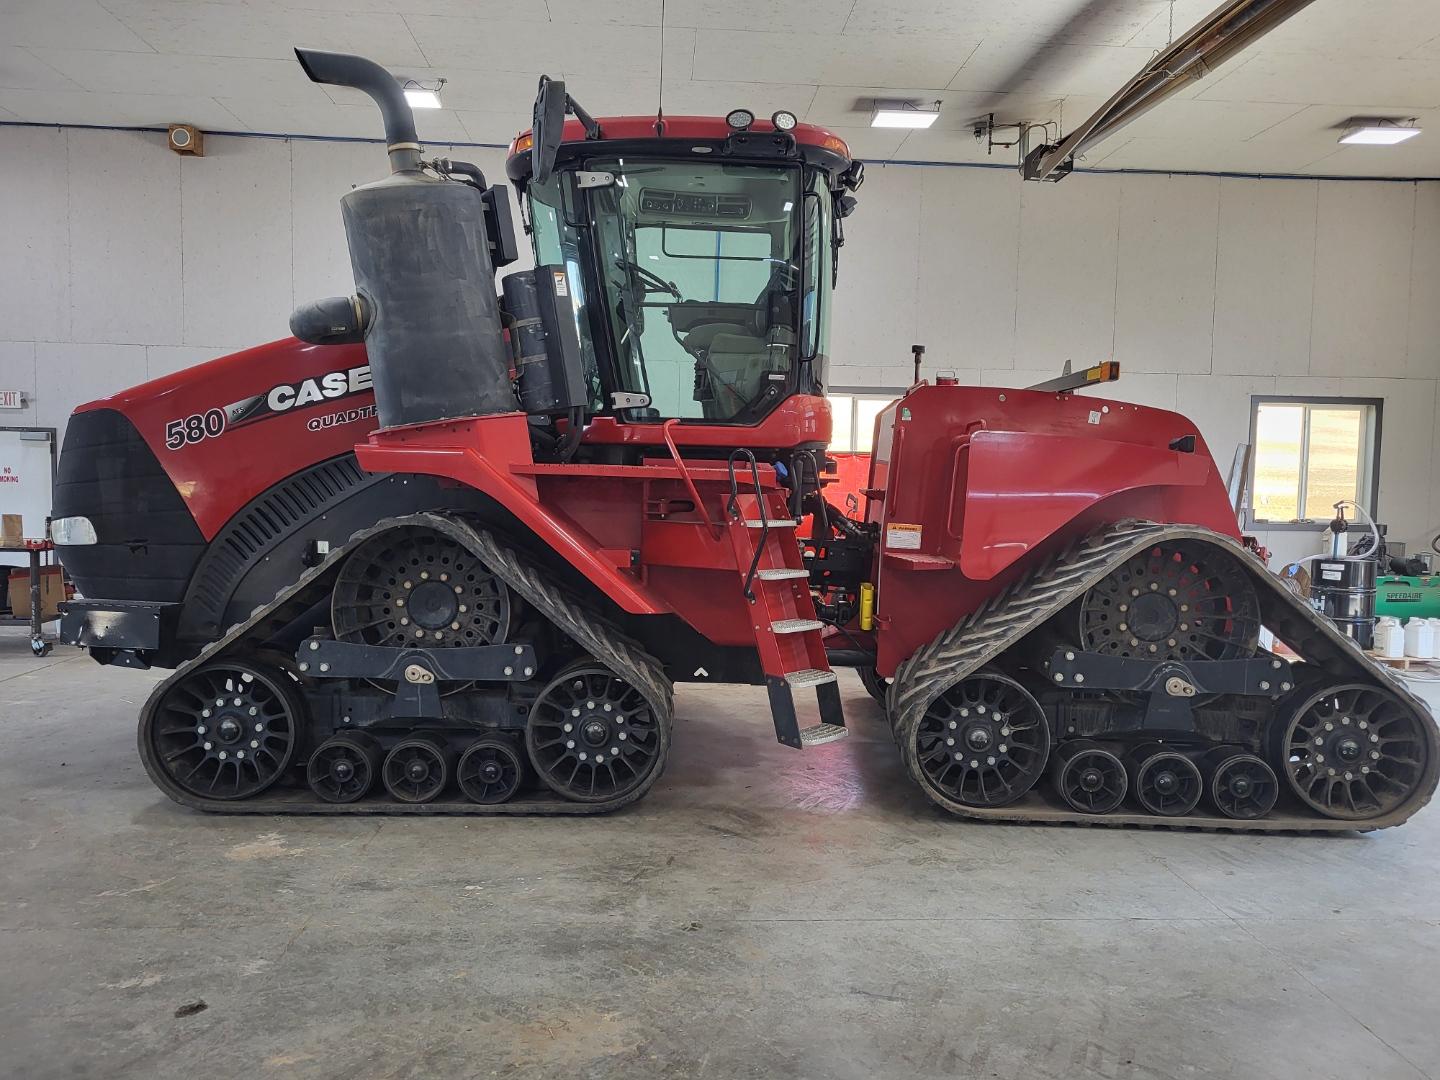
{"type": "Point", "coordinates": [764, 913]}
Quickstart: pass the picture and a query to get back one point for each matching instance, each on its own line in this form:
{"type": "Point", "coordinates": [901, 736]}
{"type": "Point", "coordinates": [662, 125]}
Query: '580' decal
{"type": "Point", "coordinates": [194, 428]}
{"type": "Point", "coordinates": [277, 401]}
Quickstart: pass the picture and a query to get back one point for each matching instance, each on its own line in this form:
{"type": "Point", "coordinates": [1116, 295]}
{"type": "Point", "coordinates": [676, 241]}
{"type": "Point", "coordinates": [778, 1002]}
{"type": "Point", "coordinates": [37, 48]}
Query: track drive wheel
{"type": "Point", "coordinates": [1354, 751]}
{"type": "Point", "coordinates": [343, 768]}
{"type": "Point", "coordinates": [491, 770]}
{"type": "Point", "coordinates": [417, 769]}
{"type": "Point", "coordinates": [981, 742]}
{"type": "Point", "coordinates": [1089, 778]}
{"type": "Point", "coordinates": [1164, 781]}
{"type": "Point", "coordinates": [413, 586]}
{"type": "Point", "coordinates": [1175, 601]}
{"type": "Point", "coordinates": [594, 737]}
{"type": "Point", "coordinates": [227, 730]}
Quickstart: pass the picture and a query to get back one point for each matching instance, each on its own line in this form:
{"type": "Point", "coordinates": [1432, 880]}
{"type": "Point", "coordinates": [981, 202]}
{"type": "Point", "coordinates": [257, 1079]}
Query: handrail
{"type": "Point", "coordinates": [685, 473]}
{"type": "Point", "coordinates": [732, 507]}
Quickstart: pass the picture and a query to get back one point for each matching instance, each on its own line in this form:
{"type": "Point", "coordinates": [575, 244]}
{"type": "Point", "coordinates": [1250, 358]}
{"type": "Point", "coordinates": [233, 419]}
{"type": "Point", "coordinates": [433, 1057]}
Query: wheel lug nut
{"type": "Point", "coordinates": [444, 577]}
{"type": "Point", "coordinates": [590, 704]}
{"type": "Point", "coordinates": [454, 626]}
{"type": "Point", "coordinates": [240, 754]}
{"type": "Point", "coordinates": [200, 730]}
{"type": "Point", "coordinates": [222, 755]}
{"type": "Point", "coordinates": [254, 744]}
{"type": "Point", "coordinates": [574, 712]}
{"type": "Point", "coordinates": [259, 727]}
{"type": "Point", "coordinates": [424, 575]}
{"type": "Point", "coordinates": [582, 758]}
{"type": "Point", "coordinates": [205, 712]}
{"type": "Point", "coordinates": [409, 584]}
{"type": "Point", "coordinates": [1375, 755]}
{"type": "Point", "coordinates": [614, 751]}
{"type": "Point", "coordinates": [567, 727]}
{"type": "Point", "coordinates": [419, 633]}
{"type": "Point", "coordinates": [463, 609]}
{"type": "Point", "coordinates": [1004, 749]}
{"type": "Point", "coordinates": [621, 735]}
{"type": "Point", "coordinates": [609, 707]}
{"type": "Point", "coordinates": [404, 622]}
{"type": "Point", "coordinates": [949, 742]}
{"type": "Point", "coordinates": [953, 725]}
{"type": "Point", "coordinates": [209, 746]}
{"type": "Point", "coordinates": [569, 744]}
{"type": "Point", "coordinates": [989, 761]}
{"type": "Point", "coordinates": [399, 601]}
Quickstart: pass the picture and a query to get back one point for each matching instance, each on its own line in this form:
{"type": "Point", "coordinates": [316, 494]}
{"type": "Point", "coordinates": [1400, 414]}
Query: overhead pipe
{"type": "Point", "coordinates": [1228, 30]}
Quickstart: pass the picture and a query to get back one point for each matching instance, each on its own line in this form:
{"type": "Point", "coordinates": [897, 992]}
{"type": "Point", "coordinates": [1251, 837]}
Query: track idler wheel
{"type": "Point", "coordinates": [1164, 781]}
{"type": "Point", "coordinates": [417, 769]}
{"type": "Point", "coordinates": [593, 737]}
{"type": "Point", "coordinates": [343, 768]}
{"type": "Point", "coordinates": [1241, 785]}
{"type": "Point", "coordinates": [1089, 778]}
{"type": "Point", "coordinates": [1175, 601]}
{"type": "Point", "coordinates": [1354, 751]}
{"type": "Point", "coordinates": [490, 770]}
{"type": "Point", "coordinates": [982, 742]}
{"type": "Point", "coordinates": [227, 730]}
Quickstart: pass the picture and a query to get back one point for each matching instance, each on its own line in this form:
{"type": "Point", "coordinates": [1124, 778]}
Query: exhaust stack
{"type": "Point", "coordinates": [425, 302]}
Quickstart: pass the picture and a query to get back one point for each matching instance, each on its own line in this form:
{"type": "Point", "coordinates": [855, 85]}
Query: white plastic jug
{"type": "Point", "coordinates": [1389, 637]}
{"type": "Point", "coordinates": [1435, 642]}
{"type": "Point", "coordinates": [1419, 639]}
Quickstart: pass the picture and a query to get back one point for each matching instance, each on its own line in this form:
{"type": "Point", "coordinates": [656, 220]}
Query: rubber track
{"type": "Point", "coordinates": [1046, 590]}
{"type": "Point", "coordinates": [583, 626]}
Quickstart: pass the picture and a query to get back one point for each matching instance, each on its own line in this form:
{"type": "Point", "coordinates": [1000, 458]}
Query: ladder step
{"type": "Point", "coordinates": [799, 680]}
{"type": "Point", "coordinates": [819, 734]}
{"type": "Point", "coordinates": [774, 523]}
{"type": "Point", "coordinates": [795, 626]}
{"type": "Point", "coordinates": [781, 573]}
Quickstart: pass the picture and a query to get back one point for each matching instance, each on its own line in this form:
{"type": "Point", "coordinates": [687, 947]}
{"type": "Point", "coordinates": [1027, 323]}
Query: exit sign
{"type": "Point", "coordinates": [12, 399]}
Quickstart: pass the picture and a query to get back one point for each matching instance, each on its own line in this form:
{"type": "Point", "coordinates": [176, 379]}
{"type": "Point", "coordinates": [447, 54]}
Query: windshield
{"type": "Point", "coordinates": [702, 266]}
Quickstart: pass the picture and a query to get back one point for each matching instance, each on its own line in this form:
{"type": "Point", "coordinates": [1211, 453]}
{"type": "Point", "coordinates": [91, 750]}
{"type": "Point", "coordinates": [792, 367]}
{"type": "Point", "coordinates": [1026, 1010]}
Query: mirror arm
{"type": "Point", "coordinates": [592, 128]}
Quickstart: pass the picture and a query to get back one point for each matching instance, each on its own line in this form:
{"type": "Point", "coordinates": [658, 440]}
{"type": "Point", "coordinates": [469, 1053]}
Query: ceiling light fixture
{"type": "Point", "coordinates": [1378, 132]}
{"type": "Point", "coordinates": [421, 96]}
{"type": "Point", "coordinates": [904, 114]}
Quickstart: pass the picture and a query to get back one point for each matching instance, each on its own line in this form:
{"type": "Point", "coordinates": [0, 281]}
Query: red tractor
{"type": "Point", "coordinates": [448, 551]}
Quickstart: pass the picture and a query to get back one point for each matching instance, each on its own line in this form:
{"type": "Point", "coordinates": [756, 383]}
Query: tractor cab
{"type": "Point", "coordinates": [699, 254]}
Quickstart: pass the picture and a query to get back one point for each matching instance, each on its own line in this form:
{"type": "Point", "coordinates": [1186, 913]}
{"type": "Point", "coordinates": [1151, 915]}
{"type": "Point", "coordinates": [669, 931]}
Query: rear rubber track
{"type": "Point", "coordinates": [1044, 592]}
{"type": "Point", "coordinates": [595, 636]}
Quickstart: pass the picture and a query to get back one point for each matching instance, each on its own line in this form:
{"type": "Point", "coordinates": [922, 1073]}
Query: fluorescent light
{"type": "Point", "coordinates": [904, 114]}
{"type": "Point", "coordinates": [1377, 133]}
{"type": "Point", "coordinates": [422, 99]}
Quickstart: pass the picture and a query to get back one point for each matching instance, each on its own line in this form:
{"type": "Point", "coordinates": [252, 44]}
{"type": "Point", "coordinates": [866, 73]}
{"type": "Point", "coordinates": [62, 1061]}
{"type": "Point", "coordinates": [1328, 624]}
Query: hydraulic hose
{"type": "Point", "coordinates": [346, 69]}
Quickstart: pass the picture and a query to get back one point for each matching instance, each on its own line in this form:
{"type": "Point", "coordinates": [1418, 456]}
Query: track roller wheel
{"type": "Point", "coordinates": [417, 769]}
{"type": "Point", "coordinates": [982, 742]}
{"type": "Point", "coordinates": [343, 768]}
{"type": "Point", "coordinates": [1176, 601]}
{"type": "Point", "coordinates": [413, 586]}
{"type": "Point", "coordinates": [1089, 778]}
{"type": "Point", "coordinates": [227, 730]}
{"type": "Point", "coordinates": [1241, 785]}
{"type": "Point", "coordinates": [490, 770]}
{"type": "Point", "coordinates": [593, 736]}
{"type": "Point", "coordinates": [1164, 781]}
{"type": "Point", "coordinates": [1354, 751]}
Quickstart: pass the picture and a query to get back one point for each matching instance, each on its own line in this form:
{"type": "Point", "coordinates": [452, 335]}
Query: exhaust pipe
{"type": "Point", "coordinates": [345, 69]}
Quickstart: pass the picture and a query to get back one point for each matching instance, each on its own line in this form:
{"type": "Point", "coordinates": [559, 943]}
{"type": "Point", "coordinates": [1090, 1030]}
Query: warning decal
{"type": "Point", "coordinates": [902, 537]}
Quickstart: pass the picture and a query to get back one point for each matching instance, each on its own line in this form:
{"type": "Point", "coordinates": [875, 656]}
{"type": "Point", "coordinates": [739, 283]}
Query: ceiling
{"type": "Point", "coordinates": [228, 67]}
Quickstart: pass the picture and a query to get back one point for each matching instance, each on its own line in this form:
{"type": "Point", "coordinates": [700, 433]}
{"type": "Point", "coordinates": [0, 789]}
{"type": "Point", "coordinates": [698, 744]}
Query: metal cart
{"type": "Point", "coordinates": [34, 548]}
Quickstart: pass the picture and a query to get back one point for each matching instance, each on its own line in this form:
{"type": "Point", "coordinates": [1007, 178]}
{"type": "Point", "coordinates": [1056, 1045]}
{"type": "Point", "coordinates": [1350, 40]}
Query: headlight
{"type": "Point", "coordinates": [784, 121]}
{"type": "Point", "coordinates": [739, 119]}
{"type": "Point", "coordinates": [72, 532]}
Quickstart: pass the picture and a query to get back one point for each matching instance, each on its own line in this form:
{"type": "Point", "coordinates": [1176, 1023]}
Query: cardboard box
{"type": "Point", "coordinates": [52, 591]}
{"type": "Point", "coordinates": [12, 531]}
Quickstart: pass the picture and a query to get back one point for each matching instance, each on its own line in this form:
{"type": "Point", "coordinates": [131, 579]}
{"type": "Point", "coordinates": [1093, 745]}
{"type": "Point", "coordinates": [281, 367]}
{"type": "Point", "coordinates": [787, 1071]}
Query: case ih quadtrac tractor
{"type": "Point", "coordinates": [448, 550]}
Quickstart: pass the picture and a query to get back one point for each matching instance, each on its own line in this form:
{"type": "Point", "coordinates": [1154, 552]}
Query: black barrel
{"type": "Point", "coordinates": [1344, 591]}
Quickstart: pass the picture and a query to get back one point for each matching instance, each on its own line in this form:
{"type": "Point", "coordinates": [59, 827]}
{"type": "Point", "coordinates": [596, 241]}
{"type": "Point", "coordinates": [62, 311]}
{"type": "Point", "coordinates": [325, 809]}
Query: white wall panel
{"type": "Point", "coordinates": [236, 245]}
{"type": "Point", "coordinates": [1362, 279]}
{"type": "Point", "coordinates": [1423, 341]}
{"type": "Point", "coordinates": [17, 372]}
{"type": "Point", "coordinates": [68, 374]}
{"type": "Point", "coordinates": [1069, 241]}
{"type": "Point", "coordinates": [969, 266]}
{"type": "Point", "coordinates": [34, 236]}
{"type": "Point", "coordinates": [1265, 277]}
{"type": "Point", "coordinates": [124, 238]}
{"type": "Point", "coordinates": [1165, 295]}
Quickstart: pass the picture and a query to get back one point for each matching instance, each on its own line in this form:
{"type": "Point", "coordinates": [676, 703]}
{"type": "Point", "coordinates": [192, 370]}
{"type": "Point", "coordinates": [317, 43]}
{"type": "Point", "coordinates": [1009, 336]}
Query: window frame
{"type": "Point", "coordinates": [854, 393]}
{"type": "Point", "coordinates": [1369, 495]}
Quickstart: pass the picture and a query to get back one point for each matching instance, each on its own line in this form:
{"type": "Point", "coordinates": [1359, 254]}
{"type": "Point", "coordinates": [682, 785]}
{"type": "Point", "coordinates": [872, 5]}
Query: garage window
{"type": "Point", "coordinates": [854, 413]}
{"type": "Point", "coordinates": [1309, 453]}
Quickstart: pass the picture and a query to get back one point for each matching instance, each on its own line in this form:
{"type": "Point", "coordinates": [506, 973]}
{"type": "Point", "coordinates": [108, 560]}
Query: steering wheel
{"type": "Point", "coordinates": [652, 281]}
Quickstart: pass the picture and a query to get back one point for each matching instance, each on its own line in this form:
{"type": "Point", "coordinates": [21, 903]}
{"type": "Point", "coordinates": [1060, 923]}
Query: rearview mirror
{"type": "Point", "coordinates": [547, 128]}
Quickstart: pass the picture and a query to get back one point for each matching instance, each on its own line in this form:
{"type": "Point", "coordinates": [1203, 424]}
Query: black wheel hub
{"type": "Point", "coordinates": [343, 768]}
{"type": "Point", "coordinates": [416, 770]}
{"type": "Point", "coordinates": [592, 736]}
{"type": "Point", "coordinates": [225, 731]}
{"type": "Point", "coordinates": [1242, 785]}
{"type": "Point", "coordinates": [1167, 783]}
{"type": "Point", "coordinates": [416, 587]}
{"type": "Point", "coordinates": [342, 771]}
{"type": "Point", "coordinates": [491, 770]}
{"type": "Point", "coordinates": [1354, 751]}
{"type": "Point", "coordinates": [983, 742]}
{"type": "Point", "coordinates": [1181, 601]}
{"type": "Point", "coordinates": [1089, 778]}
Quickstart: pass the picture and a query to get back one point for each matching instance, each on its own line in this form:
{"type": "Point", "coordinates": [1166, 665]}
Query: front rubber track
{"type": "Point", "coordinates": [1046, 590]}
{"type": "Point", "coordinates": [595, 636]}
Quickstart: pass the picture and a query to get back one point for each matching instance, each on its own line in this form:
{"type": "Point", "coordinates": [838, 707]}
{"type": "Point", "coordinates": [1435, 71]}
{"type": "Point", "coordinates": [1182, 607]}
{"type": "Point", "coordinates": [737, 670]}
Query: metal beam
{"type": "Point", "coordinates": [1228, 30]}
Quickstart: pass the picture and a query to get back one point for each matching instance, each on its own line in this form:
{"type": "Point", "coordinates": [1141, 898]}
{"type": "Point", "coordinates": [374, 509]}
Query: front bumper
{"type": "Point", "coordinates": [131, 633]}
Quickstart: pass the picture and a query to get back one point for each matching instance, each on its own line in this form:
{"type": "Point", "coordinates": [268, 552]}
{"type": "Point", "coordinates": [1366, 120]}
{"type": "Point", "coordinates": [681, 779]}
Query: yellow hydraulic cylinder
{"type": "Point", "coordinates": [867, 605]}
